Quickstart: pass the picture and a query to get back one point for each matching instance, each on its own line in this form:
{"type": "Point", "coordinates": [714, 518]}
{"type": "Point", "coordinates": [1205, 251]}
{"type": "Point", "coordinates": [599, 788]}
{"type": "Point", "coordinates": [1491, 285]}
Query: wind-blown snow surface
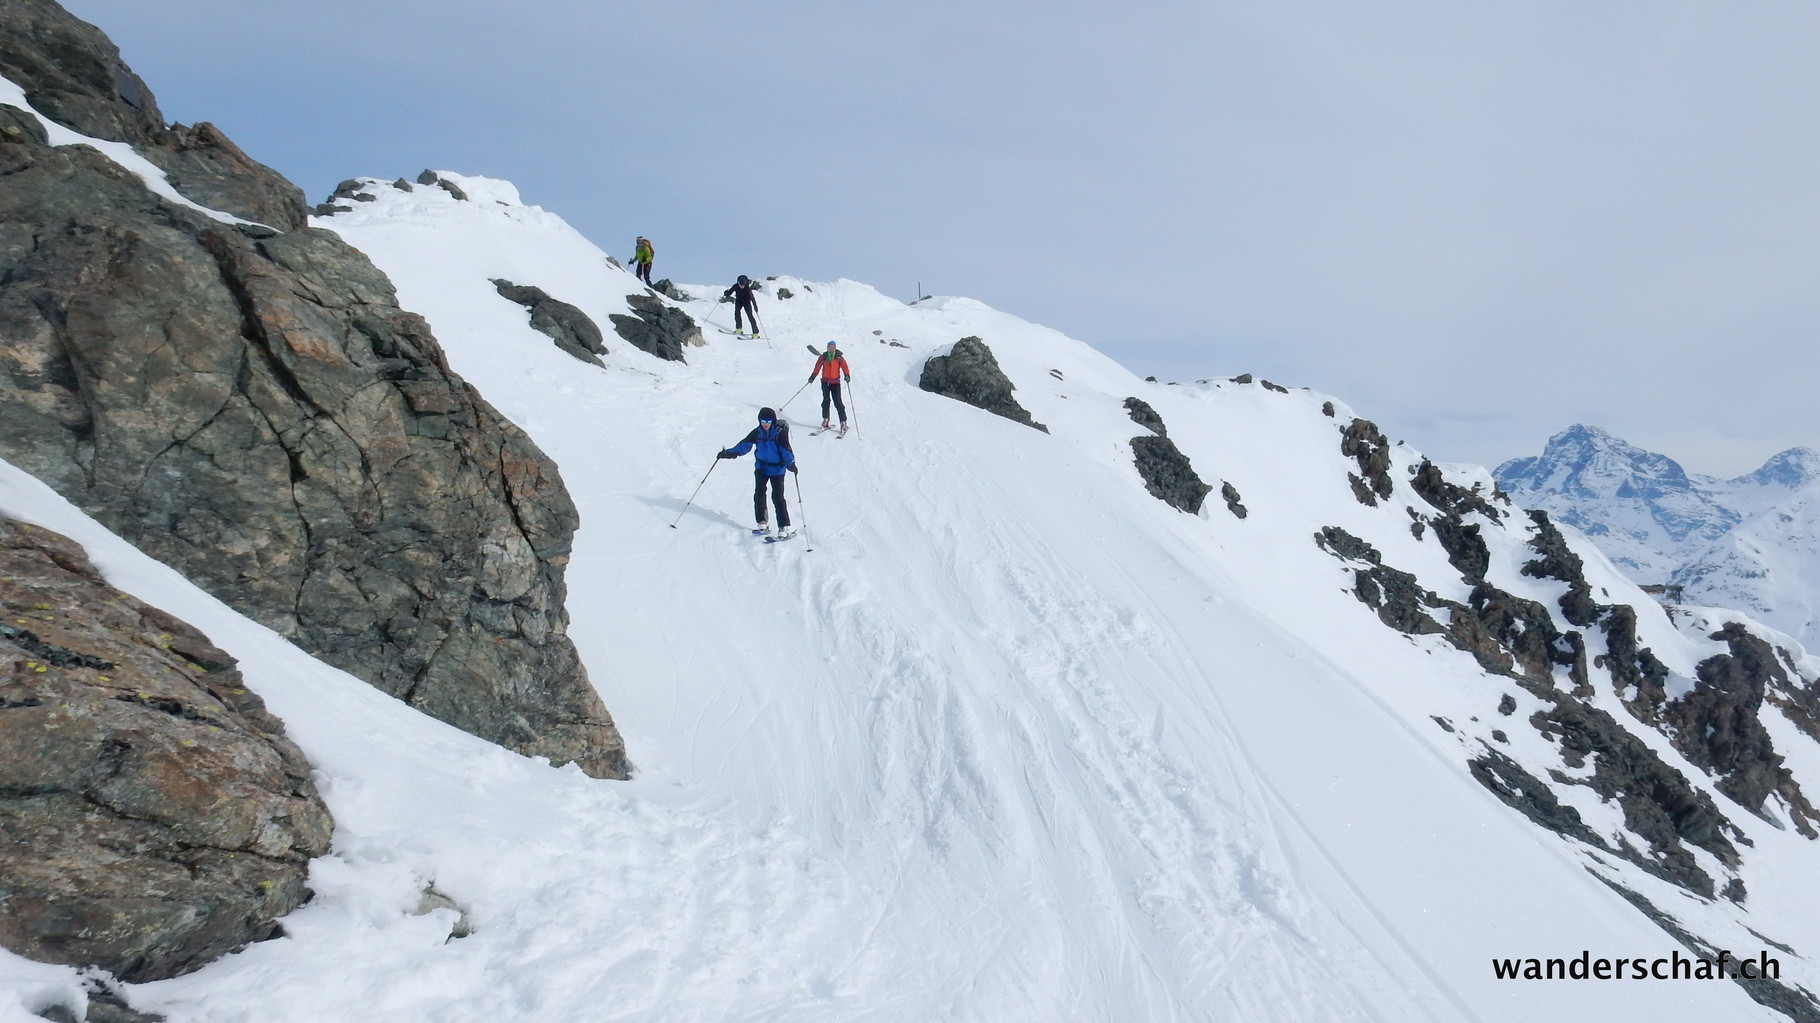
{"type": "Point", "coordinates": [1015, 741]}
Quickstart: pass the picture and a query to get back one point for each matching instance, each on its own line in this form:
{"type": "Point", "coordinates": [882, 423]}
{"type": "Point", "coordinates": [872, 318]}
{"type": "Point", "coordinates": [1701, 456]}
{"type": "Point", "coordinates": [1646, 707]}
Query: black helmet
{"type": "Point", "coordinates": [743, 279]}
{"type": "Point", "coordinates": [765, 415]}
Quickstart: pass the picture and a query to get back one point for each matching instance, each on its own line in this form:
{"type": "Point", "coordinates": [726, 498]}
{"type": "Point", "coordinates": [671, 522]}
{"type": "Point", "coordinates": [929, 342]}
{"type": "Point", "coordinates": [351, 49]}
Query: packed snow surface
{"type": "Point", "coordinates": [999, 737]}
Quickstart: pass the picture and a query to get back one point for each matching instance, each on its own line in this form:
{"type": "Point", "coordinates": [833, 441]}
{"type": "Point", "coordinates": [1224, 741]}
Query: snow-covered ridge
{"type": "Point", "coordinates": [1016, 741]}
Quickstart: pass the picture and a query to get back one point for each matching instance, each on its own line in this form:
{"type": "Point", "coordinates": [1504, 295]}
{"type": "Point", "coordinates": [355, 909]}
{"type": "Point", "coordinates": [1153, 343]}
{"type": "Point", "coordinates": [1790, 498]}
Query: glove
{"type": "Point", "coordinates": [811, 379]}
{"type": "Point", "coordinates": [848, 379]}
{"type": "Point", "coordinates": [726, 454]}
{"type": "Point", "coordinates": [793, 467]}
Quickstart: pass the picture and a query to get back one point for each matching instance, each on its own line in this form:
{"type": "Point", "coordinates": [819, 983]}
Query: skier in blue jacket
{"type": "Point", "coordinates": [769, 443]}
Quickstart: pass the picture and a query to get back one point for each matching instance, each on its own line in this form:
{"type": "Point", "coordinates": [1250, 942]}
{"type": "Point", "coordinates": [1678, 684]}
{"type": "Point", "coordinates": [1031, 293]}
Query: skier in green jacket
{"type": "Point", "coordinates": [641, 260]}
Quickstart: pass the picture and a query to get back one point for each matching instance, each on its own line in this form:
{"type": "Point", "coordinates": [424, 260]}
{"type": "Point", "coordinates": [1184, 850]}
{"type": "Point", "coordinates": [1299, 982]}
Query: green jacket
{"type": "Point", "coordinates": [644, 253]}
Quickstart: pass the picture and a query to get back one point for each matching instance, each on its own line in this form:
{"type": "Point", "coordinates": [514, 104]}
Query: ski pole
{"type": "Point", "coordinates": [799, 390]}
{"type": "Point", "coordinates": [855, 405]}
{"type": "Point", "coordinates": [698, 486]}
{"type": "Point", "coordinates": [802, 513]}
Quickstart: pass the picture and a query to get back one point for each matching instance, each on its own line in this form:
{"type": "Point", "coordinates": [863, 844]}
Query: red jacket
{"type": "Point", "coordinates": [833, 366]}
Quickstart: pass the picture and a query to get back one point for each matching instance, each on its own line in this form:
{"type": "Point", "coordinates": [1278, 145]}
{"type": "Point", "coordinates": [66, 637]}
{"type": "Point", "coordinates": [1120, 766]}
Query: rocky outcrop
{"type": "Point", "coordinates": [1716, 726]}
{"type": "Point", "coordinates": [72, 74]}
{"type": "Point", "coordinates": [153, 816]}
{"type": "Point", "coordinates": [1165, 470]}
{"type": "Point", "coordinates": [659, 329]}
{"type": "Point", "coordinates": [670, 291]}
{"type": "Point", "coordinates": [969, 373]}
{"type": "Point", "coordinates": [1168, 475]}
{"type": "Point", "coordinates": [430, 177]}
{"type": "Point", "coordinates": [1432, 486]}
{"type": "Point", "coordinates": [1517, 638]}
{"type": "Point", "coordinates": [1142, 414]}
{"type": "Point", "coordinates": [1557, 561]}
{"type": "Point", "coordinates": [1399, 599]}
{"type": "Point", "coordinates": [1658, 803]}
{"type": "Point", "coordinates": [561, 322]}
{"type": "Point", "coordinates": [253, 408]}
{"type": "Point", "coordinates": [1362, 441]}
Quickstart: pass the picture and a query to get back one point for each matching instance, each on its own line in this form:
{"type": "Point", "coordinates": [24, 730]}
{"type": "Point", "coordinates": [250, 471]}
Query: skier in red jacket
{"type": "Point", "coordinates": [832, 366]}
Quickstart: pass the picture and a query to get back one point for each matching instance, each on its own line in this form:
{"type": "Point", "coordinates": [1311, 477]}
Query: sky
{"type": "Point", "coordinates": [1476, 224]}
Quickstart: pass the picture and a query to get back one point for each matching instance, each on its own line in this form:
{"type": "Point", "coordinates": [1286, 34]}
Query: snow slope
{"type": "Point", "coordinates": [1014, 741]}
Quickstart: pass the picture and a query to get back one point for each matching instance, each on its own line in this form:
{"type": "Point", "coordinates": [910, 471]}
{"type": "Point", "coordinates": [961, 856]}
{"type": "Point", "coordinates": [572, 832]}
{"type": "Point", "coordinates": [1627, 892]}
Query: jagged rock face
{"type": "Point", "coordinates": [152, 814]}
{"type": "Point", "coordinates": [658, 329]}
{"type": "Point", "coordinates": [669, 290]}
{"type": "Point", "coordinates": [970, 373]}
{"type": "Point", "coordinates": [72, 74]}
{"type": "Point", "coordinates": [254, 409]}
{"type": "Point", "coordinates": [561, 322]}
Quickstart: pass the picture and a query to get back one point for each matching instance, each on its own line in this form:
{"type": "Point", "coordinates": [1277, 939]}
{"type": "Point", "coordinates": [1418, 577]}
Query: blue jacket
{"type": "Point", "coordinates": [770, 449]}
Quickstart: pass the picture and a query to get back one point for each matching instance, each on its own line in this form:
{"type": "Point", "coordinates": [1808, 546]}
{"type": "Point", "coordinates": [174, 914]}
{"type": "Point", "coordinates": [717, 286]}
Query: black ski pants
{"type": "Point", "coordinates": [642, 271]}
{"type": "Point", "coordinates": [831, 393]}
{"type": "Point", "coordinates": [750, 308]}
{"type": "Point", "coordinates": [777, 498]}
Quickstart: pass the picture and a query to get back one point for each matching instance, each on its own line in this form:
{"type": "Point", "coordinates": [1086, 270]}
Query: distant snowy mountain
{"type": "Point", "coordinates": [1728, 543]}
{"type": "Point", "coordinates": [1767, 566]}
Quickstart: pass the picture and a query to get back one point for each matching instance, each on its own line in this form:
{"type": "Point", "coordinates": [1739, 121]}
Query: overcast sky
{"type": "Point", "coordinates": [1476, 223]}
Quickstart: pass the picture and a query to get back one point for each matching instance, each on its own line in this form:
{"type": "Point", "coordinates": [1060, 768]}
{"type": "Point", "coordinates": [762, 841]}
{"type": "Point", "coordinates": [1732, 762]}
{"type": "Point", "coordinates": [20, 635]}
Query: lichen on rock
{"type": "Point", "coordinates": [153, 816]}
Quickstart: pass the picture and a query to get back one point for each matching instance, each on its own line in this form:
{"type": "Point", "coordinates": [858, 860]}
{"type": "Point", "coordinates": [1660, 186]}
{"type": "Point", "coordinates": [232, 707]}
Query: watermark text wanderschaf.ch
{"type": "Point", "coordinates": [1676, 966]}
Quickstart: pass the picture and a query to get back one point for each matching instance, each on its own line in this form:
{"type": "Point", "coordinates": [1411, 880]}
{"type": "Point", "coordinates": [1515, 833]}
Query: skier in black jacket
{"type": "Point", "coordinates": [744, 300]}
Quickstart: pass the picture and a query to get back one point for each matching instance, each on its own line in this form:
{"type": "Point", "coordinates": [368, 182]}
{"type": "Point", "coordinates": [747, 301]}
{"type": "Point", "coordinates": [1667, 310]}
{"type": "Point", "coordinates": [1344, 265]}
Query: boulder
{"type": "Point", "coordinates": [969, 373]}
{"type": "Point", "coordinates": [153, 816]}
{"type": "Point", "coordinates": [670, 291]}
{"type": "Point", "coordinates": [658, 328]}
{"type": "Point", "coordinates": [561, 322]}
{"type": "Point", "coordinates": [1167, 473]}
